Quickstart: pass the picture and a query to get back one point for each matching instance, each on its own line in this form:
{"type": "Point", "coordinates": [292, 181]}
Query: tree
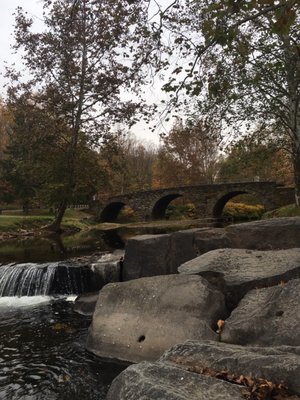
{"type": "Point", "coordinates": [6, 191]}
{"type": "Point", "coordinates": [5, 127]}
{"type": "Point", "coordinates": [189, 153]}
{"type": "Point", "coordinates": [36, 163]}
{"type": "Point", "coordinates": [250, 158]}
{"type": "Point", "coordinates": [240, 60]}
{"type": "Point", "coordinates": [128, 164]}
{"type": "Point", "coordinates": [77, 71]}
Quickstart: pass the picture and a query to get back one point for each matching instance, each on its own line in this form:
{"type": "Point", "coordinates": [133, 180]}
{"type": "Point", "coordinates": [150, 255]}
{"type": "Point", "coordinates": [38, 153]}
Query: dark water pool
{"type": "Point", "coordinates": [43, 356]}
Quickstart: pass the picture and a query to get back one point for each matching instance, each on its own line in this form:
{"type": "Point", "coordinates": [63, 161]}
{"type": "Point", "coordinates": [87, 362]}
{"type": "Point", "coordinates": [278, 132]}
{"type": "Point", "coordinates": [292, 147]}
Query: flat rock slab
{"type": "Point", "coordinates": [276, 364]}
{"type": "Point", "coordinates": [269, 234]}
{"type": "Point", "coordinates": [158, 381]}
{"type": "Point", "coordinates": [140, 319]}
{"type": "Point", "coordinates": [236, 271]}
{"type": "Point", "coordinates": [266, 317]}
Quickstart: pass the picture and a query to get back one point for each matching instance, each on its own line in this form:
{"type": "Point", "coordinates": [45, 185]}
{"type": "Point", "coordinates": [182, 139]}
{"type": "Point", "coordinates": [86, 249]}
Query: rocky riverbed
{"type": "Point", "coordinates": [226, 327]}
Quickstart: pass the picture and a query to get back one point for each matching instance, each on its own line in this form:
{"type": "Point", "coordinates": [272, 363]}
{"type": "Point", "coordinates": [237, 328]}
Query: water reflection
{"type": "Point", "coordinates": [42, 355]}
{"type": "Point", "coordinates": [60, 247]}
{"type": "Point", "coordinates": [52, 248]}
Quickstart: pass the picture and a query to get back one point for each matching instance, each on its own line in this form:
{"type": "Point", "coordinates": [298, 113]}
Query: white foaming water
{"type": "Point", "coordinates": [71, 298]}
{"type": "Point", "coordinates": [25, 301]}
{"type": "Point", "coordinates": [31, 301]}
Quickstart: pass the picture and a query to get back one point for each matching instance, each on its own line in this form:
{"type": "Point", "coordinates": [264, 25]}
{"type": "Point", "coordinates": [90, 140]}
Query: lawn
{"type": "Point", "coordinates": [14, 221]}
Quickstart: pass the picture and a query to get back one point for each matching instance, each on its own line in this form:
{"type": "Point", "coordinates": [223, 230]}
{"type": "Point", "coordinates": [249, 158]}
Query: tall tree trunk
{"type": "Point", "coordinates": [56, 224]}
{"type": "Point", "coordinates": [297, 177]}
{"type": "Point", "coordinates": [292, 66]}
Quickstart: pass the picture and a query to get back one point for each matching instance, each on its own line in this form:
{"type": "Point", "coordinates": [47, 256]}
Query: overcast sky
{"type": "Point", "coordinates": [34, 8]}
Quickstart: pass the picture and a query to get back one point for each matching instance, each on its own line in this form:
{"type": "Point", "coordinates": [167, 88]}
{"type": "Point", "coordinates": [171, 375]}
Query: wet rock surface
{"type": "Point", "coordinates": [236, 271]}
{"type": "Point", "coordinates": [160, 381]}
{"type": "Point", "coordinates": [140, 319]}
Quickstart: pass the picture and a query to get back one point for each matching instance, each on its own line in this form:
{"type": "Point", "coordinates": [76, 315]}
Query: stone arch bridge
{"type": "Point", "coordinates": [208, 199]}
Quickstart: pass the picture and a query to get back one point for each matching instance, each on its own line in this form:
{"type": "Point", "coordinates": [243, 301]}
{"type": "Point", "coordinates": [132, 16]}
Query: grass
{"type": "Point", "coordinates": [14, 222]}
{"type": "Point", "coordinates": [287, 211]}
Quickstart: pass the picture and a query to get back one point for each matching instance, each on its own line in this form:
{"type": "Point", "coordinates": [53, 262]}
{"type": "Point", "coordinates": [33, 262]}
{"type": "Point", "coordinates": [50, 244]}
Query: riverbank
{"type": "Point", "coordinates": [16, 223]}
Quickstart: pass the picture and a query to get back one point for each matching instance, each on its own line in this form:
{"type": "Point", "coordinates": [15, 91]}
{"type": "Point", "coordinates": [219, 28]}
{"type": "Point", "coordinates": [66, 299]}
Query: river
{"type": "Point", "coordinates": [42, 352]}
{"type": "Point", "coordinates": [42, 339]}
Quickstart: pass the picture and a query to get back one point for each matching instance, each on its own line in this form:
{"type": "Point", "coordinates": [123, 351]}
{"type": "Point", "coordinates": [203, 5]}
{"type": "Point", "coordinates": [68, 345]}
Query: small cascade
{"type": "Point", "coordinates": [43, 279]}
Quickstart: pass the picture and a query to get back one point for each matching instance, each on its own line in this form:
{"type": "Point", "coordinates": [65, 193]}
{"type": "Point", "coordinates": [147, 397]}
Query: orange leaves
{"type": "Point", "coordinates": [220, 325]}
{"type": "Point", "coordinates": [252, 388]}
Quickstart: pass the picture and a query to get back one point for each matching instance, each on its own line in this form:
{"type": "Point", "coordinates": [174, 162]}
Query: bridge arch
{"type": "Point", "coordinates": [223, 199]}
{"type": "Point", "coordinates": [159, 208]}
{"type": "Point", "coordinates": [111, 211]}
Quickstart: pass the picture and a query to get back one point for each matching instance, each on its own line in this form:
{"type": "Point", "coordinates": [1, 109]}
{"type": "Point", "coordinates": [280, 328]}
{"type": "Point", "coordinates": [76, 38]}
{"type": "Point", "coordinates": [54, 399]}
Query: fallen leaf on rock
{"type": "Point", "coordinates": [253, 388]}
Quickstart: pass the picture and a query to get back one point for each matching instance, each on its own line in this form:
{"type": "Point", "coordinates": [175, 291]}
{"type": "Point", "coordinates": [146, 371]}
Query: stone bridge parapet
{"type": "Point", "coordinates": [209, 199]}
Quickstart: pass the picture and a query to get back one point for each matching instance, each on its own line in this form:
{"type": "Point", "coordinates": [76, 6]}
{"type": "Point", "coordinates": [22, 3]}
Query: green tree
{"type": "Point", "coordinates": [128, 164]}
{"type": "Point", "coordinates": [251, 159]}
{"type": "Point", "coordinates": [36, 161]}
{"type": "Point", "coordinates": [240, 60]}
{"type": "Point", "coordinates": [6, 191]}
{"type": "Point", "coordinates": [77, 67]}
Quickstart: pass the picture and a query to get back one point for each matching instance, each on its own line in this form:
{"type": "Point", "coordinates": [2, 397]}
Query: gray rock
{"type": "Point", "coordinates": [140, 319]}
{"type": "Point", "coordinates": [151, 255]}
{"type": "Point", "coordinates": [146, 255]}
{"type": "Point", "coordinates": [106, 269]}
{"type": "Point", "coordinates": [276, 364]}
{"type": "Point", "coordinates": [236, 271]}
{"type": "Point", "coordinates": [158, 381]}
{"type": "Point", "coordinates": [266, 317]}
{"type": "Point", "coordinates": [208, 239]}
{"type": "Point", "coordinates": [182, 248]}
{"type": "Point", "coordinates": [86, 303]}
{"type": "Point", "coordinates": [277, 233]}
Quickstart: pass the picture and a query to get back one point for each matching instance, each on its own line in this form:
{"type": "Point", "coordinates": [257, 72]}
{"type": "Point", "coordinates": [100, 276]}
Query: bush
{"type": "Point", "coordinates": [241, 211]}
{"type": "Point", "coordinates": [181, 211]}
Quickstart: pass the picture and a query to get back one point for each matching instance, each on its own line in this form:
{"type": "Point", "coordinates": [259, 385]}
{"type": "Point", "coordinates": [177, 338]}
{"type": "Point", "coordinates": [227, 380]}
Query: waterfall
{"type": "Point", "coordinates": [43, 279]}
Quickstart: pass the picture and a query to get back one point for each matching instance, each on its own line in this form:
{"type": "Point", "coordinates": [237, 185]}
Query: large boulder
{"type": "Point", "coordinates": [146, 255]}
{"type": "Point", "coordinates": [182, 248]}
{"type": "Point", "coordinates": [159, 381]}
{"type": "Point", "coordinates": [275, 364]}
{"type": "Point", "coordinates": [277, 233]}
{"type": "Point", "coordinates": [266, 317]}
{"type": "Point", "coordinates": [151, 255]}
{"type": "Point", "coordinates": [140, 319]}
{"type": "Point", "coordinates": [236, 271]}
{"type": "Point", "coordinates": [208, 239]}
